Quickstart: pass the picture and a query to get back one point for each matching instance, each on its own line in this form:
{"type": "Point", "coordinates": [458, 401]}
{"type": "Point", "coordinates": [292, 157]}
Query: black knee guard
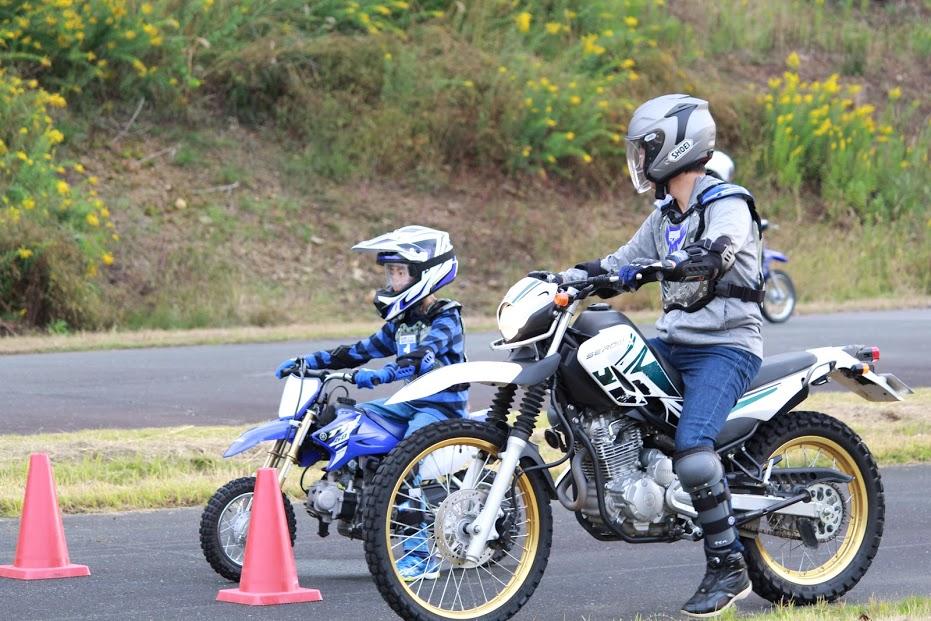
{"type": "Point", "coordinates": [702, 476]}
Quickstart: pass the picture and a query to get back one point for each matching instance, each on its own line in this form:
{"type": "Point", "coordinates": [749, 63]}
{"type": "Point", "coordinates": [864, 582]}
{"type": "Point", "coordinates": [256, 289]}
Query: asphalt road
{"type": "Point", "coordinates": [149, 566]}
{"type": "Point", "coordinates": [234, 383]}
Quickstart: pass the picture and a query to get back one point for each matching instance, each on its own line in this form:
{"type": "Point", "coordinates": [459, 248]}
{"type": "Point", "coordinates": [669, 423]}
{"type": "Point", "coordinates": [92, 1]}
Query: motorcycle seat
{"type": "Point", "coordinates": [780, 365]}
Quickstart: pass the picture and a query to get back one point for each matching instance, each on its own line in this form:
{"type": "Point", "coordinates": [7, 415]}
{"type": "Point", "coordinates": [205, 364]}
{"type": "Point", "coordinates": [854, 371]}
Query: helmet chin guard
{"type": "Point", "coordinates": [430, 259]}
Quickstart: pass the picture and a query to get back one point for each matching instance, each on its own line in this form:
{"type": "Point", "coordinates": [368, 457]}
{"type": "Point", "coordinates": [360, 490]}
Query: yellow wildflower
{"type": "Point", "coordinates": [92, 180]}
{"type": "Point", "coordinates": [895, 93]}
{"type": "Point", "coordinates": [627, 63]}
{"type": "Point", "coordinates": [29, 203]}
{"type": "Point", "coordinates": [522, 20]}
{"type": "Point", "coordinates": [526, 151]}
{"type": "Point", "coordinates": [550, 123]}
{"type": "Point", "coordinates": [575, 100]}
{"type": "Point", "coordinates": [793, 61]}
{"type": "Point", "coordinates": [24, 253]}
{"type": "Point", "coordinates": [468, 84]}
{"type": "Point", "coordinates": [380, 8]}
{"type": "Point", "coordinates": [570, 136]}
{"type": "Point", "coordinates": [586, 158]}
{"type": "Point", "coordinates": [92, 219]}
{"type": "Point", "coordinates": [56, 101]}
{"type": "Point", "coordinates": [502, 69]}
{"type": "Point", "coordinates": [146, 9]}
{"type": "Point", "coordinates": [79, 167]}
{"type": "Point", "coordinates": [62, 187]}
{"type": "Point", "coordinates": [107, 258]}
{"type": "Point", "coordinates": [631, 21]}
{"type": "Point", "coordinates": [553, 27]}
{"type": "Point", "coordinates": [129, 35]}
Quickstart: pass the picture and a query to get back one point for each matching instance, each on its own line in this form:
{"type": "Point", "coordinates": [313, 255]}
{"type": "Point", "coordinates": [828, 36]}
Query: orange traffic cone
{"type": "Point", "coordinates": [41, 551]}
{"type": "Point", "coordinates": [269, 573]}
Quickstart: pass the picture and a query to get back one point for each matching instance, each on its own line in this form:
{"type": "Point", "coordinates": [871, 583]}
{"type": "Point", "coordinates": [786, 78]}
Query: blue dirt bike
{"type": "Point", "coordinates": [314, 425]}
{"type": "Point", "coordinates": [779, 301]}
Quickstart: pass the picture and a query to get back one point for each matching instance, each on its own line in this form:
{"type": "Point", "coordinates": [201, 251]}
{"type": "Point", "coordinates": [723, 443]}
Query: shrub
{"type": "Point", "coordinates": [54, 231]}
{"type": "Point", "coordinates": [816, 133]}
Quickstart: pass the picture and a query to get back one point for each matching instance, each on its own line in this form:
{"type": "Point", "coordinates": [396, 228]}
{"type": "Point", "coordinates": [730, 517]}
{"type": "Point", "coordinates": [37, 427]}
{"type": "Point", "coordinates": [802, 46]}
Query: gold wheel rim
{"type": "Point", "coordinates": [857, 508]}
{"type": "Point", "coordinates": [532, 518]}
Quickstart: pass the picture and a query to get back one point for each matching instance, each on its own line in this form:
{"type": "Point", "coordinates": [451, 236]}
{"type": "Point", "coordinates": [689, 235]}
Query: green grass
{"type": "Point", "coordinates": [121, 469]}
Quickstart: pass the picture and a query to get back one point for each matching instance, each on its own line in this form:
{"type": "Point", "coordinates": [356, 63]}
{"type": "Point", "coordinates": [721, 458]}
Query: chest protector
{"type": "Point", "coordinates": [411, 329]}
{"type": "Point", "coordinates": [677, 230]}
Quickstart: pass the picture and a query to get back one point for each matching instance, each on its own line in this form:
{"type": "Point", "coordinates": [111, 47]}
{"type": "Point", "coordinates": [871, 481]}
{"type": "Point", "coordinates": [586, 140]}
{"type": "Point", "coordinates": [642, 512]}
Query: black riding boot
{"type": "Point", "coordinates": [725, 582]}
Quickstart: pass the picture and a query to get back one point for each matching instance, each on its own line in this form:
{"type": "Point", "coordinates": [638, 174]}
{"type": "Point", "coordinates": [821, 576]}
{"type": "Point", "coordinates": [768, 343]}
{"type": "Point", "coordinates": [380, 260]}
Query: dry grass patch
{"type": "Point", "coordinates": [123, 469]}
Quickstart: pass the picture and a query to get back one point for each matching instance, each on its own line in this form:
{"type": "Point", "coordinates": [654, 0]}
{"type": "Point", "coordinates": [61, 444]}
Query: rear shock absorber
{"type": "Point", "coordinates": [530, 406]}
{"type": "Point", "coordinates": [501, 406]}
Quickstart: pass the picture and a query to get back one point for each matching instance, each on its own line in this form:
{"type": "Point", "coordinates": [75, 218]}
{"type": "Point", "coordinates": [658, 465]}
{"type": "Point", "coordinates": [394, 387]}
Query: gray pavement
{"type": "Point", "coordinates": [148, 565]}
{"type": "Point", "coordinates": [234, 384]}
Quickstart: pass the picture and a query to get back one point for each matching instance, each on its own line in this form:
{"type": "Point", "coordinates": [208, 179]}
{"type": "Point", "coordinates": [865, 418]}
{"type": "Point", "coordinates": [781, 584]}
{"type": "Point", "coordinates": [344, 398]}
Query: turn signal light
{"type": "Point", "coordinates": [561, 299]}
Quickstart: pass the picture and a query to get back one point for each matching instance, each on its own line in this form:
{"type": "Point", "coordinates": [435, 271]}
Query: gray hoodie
{"type": "Point", "coordinates": [723, 321]}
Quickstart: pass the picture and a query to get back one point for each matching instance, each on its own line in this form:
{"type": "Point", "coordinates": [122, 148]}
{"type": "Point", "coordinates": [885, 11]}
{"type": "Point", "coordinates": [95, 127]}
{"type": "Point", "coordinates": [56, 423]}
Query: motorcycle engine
{"type": "Point", "coordinates": [636, 479]}
{"type": "Point", "coordinates": [334, 499]}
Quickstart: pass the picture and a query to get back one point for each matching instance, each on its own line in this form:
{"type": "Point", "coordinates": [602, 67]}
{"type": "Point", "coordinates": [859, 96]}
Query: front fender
{"type": "Point", "coordinates": [482, 372]}
{"type": "Point", "coordinates": [774, 255]}
{"type": "Point", "coordinates": [272, 430]}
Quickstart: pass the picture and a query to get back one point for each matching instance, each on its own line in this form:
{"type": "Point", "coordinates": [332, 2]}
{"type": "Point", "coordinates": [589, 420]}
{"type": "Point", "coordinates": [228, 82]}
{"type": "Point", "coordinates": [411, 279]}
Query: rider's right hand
{"type": "Point", "coordinates": [545, 276]}
{"type": "Point", "coordinates": [289, 366]}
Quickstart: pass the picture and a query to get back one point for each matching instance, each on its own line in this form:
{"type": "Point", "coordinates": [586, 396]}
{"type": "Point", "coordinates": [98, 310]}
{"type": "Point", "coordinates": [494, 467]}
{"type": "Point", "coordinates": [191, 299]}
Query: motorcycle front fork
{"type": "Point", "coordinates": [281, 457]}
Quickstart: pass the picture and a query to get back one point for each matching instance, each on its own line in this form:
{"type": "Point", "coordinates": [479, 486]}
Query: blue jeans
{"type": "Point", "coordinates": [416, 542]}
{"type": "Point", "coordinates": [715, 377]}
{"type": "Point", "coordinates": [403, 413]}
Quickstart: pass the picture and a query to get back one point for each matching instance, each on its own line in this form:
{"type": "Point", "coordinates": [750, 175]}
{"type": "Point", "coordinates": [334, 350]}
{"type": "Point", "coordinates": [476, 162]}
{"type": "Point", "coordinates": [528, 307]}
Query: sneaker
{"type": "Point", "coordinates": [414, 567]}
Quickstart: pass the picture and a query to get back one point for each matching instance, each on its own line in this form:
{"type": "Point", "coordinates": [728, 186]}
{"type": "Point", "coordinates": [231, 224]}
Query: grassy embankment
{"type": "Point", "coordinates": [239, 149]}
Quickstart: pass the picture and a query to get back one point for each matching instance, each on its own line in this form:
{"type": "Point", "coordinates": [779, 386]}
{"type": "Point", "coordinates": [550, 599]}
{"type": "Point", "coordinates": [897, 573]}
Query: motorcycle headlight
{"type": "Point", "coordinates": [510, 321]}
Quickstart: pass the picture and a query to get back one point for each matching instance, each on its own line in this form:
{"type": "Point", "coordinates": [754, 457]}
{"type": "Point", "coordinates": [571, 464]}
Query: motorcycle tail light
{"type": "Point", "coordinates": [869, 354]}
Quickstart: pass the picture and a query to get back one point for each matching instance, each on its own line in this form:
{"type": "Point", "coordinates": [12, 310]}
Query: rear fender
{"type": "Point", "coordinates": [283, 428]}
{"type": "Point", "coordinates": [482, 372]}
{"type": "Point", "coordinates": [839, 365]}
{"type": "Point", "coordinates": [774, 255]}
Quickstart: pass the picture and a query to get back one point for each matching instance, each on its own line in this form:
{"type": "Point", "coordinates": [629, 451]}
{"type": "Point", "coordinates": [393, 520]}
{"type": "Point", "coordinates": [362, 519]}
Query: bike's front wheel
{"type": "Point", "coordinates": [417, 515]}
{"type": "Point", "coordinates": [225, 523]}
{"type": "Point", "coordinates": [779, 299]}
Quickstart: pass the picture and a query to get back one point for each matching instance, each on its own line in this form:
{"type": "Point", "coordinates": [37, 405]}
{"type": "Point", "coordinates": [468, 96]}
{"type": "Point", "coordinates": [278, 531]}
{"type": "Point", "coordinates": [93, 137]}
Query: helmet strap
{"type": "Point", "coordinates": [660, 191]}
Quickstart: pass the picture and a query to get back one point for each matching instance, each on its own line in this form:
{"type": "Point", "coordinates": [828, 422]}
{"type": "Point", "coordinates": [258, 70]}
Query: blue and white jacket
{"type": "Point", "coordinates": [420, 341]}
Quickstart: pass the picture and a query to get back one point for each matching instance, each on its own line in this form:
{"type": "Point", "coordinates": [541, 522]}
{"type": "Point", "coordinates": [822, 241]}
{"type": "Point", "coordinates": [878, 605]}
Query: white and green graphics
{"type": "Point", "coordinates": [624, 366]}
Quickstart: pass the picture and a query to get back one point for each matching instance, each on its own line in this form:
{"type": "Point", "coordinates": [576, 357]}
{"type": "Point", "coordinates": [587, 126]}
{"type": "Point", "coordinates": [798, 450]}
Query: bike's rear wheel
{"type": "Point", "coordinates": [802, 560]}
{"type": "Point", "coordinates": [225, 523]}
{"type": "Point", "coordinates": [779, 299]}
{"type": "Point", "coordinates": [507, 572]}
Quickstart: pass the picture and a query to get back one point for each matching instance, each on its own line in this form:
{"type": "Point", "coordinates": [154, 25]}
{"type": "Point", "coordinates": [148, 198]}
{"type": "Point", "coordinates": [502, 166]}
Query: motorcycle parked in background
{"type": "Point", "coordinates": [779, 302]}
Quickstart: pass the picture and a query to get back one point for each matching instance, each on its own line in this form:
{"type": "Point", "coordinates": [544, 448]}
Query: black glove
{"type": "Point", "coordinates": [545, 276]}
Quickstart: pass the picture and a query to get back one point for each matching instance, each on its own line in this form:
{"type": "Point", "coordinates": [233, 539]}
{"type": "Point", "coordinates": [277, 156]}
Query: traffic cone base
{"type": "Point", "coordinates": [297, 596]}
{"type": "Point", "coordinates": [43, 573]}
{"type": "Point", "coordinates": [269, 573]}
{"type": "Point", "coordinates": [41, 550]}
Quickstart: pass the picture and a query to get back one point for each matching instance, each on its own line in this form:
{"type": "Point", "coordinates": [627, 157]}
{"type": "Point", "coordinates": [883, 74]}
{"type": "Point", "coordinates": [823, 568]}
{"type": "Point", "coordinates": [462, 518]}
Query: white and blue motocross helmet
{"type": "Point", "coordinates": [430, 260]}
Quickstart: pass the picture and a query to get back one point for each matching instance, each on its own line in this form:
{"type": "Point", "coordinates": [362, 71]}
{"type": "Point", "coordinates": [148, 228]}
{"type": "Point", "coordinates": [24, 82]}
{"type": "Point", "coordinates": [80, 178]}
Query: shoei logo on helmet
{"type": "Point", "coordinates": [676, 154]}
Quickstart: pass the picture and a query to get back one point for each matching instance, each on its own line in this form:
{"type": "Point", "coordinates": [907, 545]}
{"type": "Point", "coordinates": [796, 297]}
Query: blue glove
{"type": "Point", "coordinates": [289, 366]}
{"type": "Point", "coordinates": [628, 276]}
{"type": "Point", "coordinates": [367, 378]}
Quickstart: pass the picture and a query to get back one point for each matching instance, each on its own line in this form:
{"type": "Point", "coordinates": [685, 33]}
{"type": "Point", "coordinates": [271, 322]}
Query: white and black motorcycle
{"type": "Point", "coordinates": [806, 492]}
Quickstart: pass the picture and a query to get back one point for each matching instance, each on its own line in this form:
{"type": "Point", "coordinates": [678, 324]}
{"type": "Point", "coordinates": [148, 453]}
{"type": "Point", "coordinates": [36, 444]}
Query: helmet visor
{"type": "Point", "coordinates": [397, 277]}
{"type": "Point", "coordinates": [641, 151]}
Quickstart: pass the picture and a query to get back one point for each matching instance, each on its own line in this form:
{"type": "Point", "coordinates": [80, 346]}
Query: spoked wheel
{"type": "Point", "coordinates": [779, 300]}
{"type": "Point", "coordinates": [225, 523]}
{"type": "Point", "coordinates": [801, 560]}
{"type": "Point", "coordinates": [424, 497]}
